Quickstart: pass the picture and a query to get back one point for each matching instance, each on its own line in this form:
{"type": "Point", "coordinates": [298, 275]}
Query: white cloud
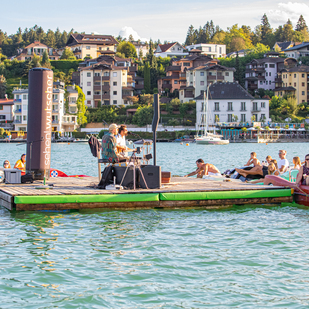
{"type": "Point", "coordinates": [289, 10]}
{"type": "Point", "coordinates": [126, 31]}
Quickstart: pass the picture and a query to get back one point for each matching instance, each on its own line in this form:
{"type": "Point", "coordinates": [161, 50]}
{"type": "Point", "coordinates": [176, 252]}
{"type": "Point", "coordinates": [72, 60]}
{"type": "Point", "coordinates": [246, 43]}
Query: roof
{"type": "Point", "coordinates": [301, 68]}
{"type": "Point", "coordinates": [77, 38]}
{"type": "Point", "coordinates": [267, 60]}
{"type": "Point", "coordinates": [165, 47]}
{"type": "Point", "coordinates": [285, 88]}
{"type": "Point", "coordinates": [235, 52]}
{"type": "Point", "coordinates": [284, 45]}
{"type": "Point", "coordinates": [6, 102]}
{"type": "Point", "coordinates": [36, 44]}
{"type": "Point", "coordinates": [296, 47]}
{"type": "Point", "coordinates": [227, 90]}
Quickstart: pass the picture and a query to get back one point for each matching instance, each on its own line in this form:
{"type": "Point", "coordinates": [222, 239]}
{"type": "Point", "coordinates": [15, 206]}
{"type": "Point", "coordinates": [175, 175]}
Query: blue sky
{"type": "Point", "coordinates": [164, 20]}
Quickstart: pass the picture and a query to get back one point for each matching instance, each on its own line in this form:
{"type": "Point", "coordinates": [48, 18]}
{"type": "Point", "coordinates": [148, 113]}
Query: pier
{"type": "Point", "coordinates": [81, 193]}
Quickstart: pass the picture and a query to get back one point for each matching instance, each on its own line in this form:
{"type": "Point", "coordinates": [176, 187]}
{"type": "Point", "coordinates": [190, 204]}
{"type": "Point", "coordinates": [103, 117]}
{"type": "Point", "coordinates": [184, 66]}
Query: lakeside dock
{"type": "Point", "coordinates": [81, 193]}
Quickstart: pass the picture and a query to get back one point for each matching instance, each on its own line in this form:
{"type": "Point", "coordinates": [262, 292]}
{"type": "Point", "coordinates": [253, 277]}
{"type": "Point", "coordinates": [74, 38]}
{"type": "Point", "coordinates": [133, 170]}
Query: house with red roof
{"type": "Point", "coordinates": [6, 111]}
{"type": "Point", "coordinates": [37, 48]}
{"type": "Point", "coordinates": [170, 50]}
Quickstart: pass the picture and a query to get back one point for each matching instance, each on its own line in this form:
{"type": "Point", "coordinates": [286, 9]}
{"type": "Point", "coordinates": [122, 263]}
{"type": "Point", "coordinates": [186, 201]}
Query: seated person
{"type": "Point", "coordinates": [121, 141]}
{"type": "Point", "coordinates": [253, 160]}
{"type": "Point", "coordinates": [283, 163]}
{"type": "Point", "coordinates": [276, 167]}
{"type": "Point", "coordinates": [21, 163]}
{"type": "Point", "coordinates": [303, 174]}
{"type": "Point", "coordinates": [297, 163]}
{"type": "Point", "coordinates": [256, 170]}
{"type": "Point", "coordinates": [6, 164]}
{"type": "Point", "coordinates": [109, 150]}
{"type": "Point", "coordinates": [204, 169]}
{"type": "Point", "coordinates": [271, 171]}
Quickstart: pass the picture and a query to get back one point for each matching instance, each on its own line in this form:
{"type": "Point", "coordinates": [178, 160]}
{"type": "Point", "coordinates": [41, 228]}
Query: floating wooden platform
{"type": "Point", "coordinates": [81, 193]}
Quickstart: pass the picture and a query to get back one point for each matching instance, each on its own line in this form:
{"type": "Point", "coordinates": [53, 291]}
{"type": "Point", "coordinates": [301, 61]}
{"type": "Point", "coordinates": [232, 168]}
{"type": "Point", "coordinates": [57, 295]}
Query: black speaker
{"type": "Point", "coordinates": [128, 179]}
{"type": "Point", "coordinates": [152, 175]}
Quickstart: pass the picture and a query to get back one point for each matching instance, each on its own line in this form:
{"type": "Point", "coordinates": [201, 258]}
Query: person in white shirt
{"type": "Point", "coordinates": [121, 141]}
{"type": "Point", "coordinates": [283, 163]}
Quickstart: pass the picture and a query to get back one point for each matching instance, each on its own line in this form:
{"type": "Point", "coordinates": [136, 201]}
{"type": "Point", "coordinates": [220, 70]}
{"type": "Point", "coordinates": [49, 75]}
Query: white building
{"type": "Point", "coordinates": [229, 102]}
{"type": "Point", "coordinates": [212, 50]}
{"type": "Point", "coordinates": [170, 50]}
{"type": "Point", "coordinates": [21, 109]}
{"type": "Point", "coordinates": [6, 110]}
{"type": "Point", "coordinates": [301, 50]}
{"type": "Point", "coordinates": [197, 79]}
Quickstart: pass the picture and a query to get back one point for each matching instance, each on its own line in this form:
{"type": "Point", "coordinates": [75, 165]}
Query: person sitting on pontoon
{"type": "Point", "coordinates": [204, 169]}
{"type": "Point", "coordinates": [253, 160]}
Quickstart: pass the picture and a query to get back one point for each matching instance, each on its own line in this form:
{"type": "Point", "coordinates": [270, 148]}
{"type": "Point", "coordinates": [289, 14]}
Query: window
{"type": "Point", "coordinates": [272, 65]}
{"type": "Point", "coordinates": [294, 84]}
{"type": "Point", "coordinates": [106, 74]}
{"type": "Point", "coordinates": [55, 97]}
{"type": "Point", "coordinates": [2, 117]}
{"type": "Point", "coordinates": [97, 83]}
{"type": "Point", "coordinates": [24, 97]}
{"type": "Point", "coordinates": [175, 81]}
{"type": "Point", "coordinates": [267, 82]}
{"type": "Point", "coordinates": [88, 74]}
{"type": "Point", "coordinates": [269, 73]}
{"type": "Point", "coordinates": [263, 116]}
{"type": "Point", "coordinates": [87, 47]}
{"type": "Point", "coordinates": [114, 74]}
{"type": "Point", "coordinates": [97, 74]}
{"type": "Point", "coordinates": [202, 83]}
{"type": "Point", "coordinates": [227, 74]}
{"type": "Point", "coordinates": [114, 92]}
{"type": "Point", "coordinates": [202, 73]}
{"type": "Point", "coordinates": [303, 84]}
{"type": "Point", "coordinates": [88, 83]}
{"type": "Point", "coordinates": [255, 108]}
{"type": "Point", "coordinates": [303, 93]}
{"type": "Point", "coordinates": [217, 118]}
{"type": "Point", "coordinates": [87, 55]}
{"type": "Point", "coordinates": [266, 65]}
{"type": "Point", "coordinates": [243, 106]}
{"type": "Point", "coordinates": [1, 107]}
{"type": "Point", "coordinates": [217, 106]}
{"type": "Point", "coordinates": [88, 92]}
{"type": "Point", "coordinates": [114, 102]}
{"type": "Point", "coordinates": [263, 104]}
{"type": "Point", "coordinates": [88, 102]}
{"type": "Point", "coordinates": [114, 83]}
{"type": "Point", "coordinates": [266, 73]}
{"type": "Point", "coordinates": [106, 83]}
{"type": "Point", "coordinates": [229, 117]}
{"type": "Point", "coordinates": [270, 82]}
{"type": "Point", "coordinates": [261, 82]}
{"type": "Point", "coordinates": [294, 75]}
{"type": "Point", "coordinates": [229, 106]}
{"type": "Point", "coordinates": [186, 64]}
{"type": "Point", "coordinates": [24, 118]}
{"type": "Point", "coordinates": [97, 92]}
{"type": "Point", "coordinates": [25, 107]}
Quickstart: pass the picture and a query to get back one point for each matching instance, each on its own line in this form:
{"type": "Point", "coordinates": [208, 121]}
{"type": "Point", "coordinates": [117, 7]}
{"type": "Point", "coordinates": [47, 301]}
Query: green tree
{"type": "Point", "coordinates": [190, 39]}
{"type": "Point", "coordinates": [128, 49]}
{"type": "Point", "coordinates": [2, 86]}
{"type": "Point", "coordinates": [287, 32]}
{"type": "Point", "coordinates": [45, 60]}
{"type": "Point", "coordinates": [67, 54]}
{"type": "Point", "coordinates": [35, 62]}
{"type": "Point", "coordinates": [147, 78]}
{"type": "Point", "coordinates": [81, 107]}
{"type": "Point", "coordinates": [143, 115]}
{"type": "Point", "coordinates": [301, 24]}
{"type": "Point", "coordinates": [266, 31]}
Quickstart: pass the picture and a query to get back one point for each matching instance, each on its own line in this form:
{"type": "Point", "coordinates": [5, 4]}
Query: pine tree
{"type": "Point", "coordinates": [147, 78]}
{"type": "Point", "coordinates": [2, 86]}
{"type": "Point", "coordinates": [45, 60]}
{"type": "Point", "coordinates": [190, 36]}
{"type": "Point", "coordinates": [81, 107]}
{"type": "Point", "coordinates": [287, 32]}
{"type": "Point", "coordinates": [301, 24]}
{"type": "Point", "coordinates": [266, 30]}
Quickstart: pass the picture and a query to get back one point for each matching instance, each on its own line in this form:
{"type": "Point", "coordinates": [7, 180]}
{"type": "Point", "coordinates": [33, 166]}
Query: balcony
{"type": "Point", "coordinates": [55, 100]}
{"type": "Point", "coordinates": [55, 111]}
{"type": "Point", "coordinates": [105, 88]}
{"type": "Point", "coordinates": [96, 88]}
{"type": "Point", "coordinates": [168, 86]}
{"type": "Point", "coordinates": [17, 121]}
{"type": "Point", "coordinates": [99, 78]}
{"type": "Point", "coordinates": [17, 111]}
{"type": "Point", "coordinates": [255, 110]}
{"type": "Point", "coordinates": [214, 77]}
{"type": "Point", "coordinates": [17, 100]}
{"type": "Point", "coordinates": [189, 95]}
{"type": "Point", "coordinates": [55, 121]}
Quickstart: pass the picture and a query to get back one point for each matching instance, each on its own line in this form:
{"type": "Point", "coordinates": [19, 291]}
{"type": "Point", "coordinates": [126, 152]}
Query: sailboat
{"type": "Point", "coordinates": [206, 137]}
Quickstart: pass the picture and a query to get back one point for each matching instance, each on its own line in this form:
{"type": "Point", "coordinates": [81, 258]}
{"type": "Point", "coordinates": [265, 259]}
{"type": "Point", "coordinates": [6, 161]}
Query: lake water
{"type": "Point", "coordinates": [250, 256]}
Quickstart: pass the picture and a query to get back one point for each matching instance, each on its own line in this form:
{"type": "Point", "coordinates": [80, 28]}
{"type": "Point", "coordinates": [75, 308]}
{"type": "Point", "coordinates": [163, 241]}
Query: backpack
{"type": "Point", "coordinates": [107, 177]}
{"type": "Point", "coordinates": [28, 178]}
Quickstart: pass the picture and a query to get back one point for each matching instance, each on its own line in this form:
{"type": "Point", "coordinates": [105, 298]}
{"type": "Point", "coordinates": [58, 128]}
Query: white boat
{"type": "Point", "coordinates": [207, 138]}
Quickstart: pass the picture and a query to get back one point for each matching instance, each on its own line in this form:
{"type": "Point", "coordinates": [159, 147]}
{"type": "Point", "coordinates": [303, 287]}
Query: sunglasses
{"type": "Point", "coordinates": [5, 163]}
{"type": "Point", "coordinates": [307, 159]}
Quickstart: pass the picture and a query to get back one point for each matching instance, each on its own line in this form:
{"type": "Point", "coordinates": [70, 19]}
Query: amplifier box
{"type": "Point", "coordinates": [128, 179]}
{"type": "Point", "coordinates": [152, 175]}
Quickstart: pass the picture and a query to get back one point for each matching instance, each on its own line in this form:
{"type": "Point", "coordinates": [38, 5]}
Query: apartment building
{"type": "Point", "coordinates": [109, 80]}
{"type": "Point", "coordinates": [170, 50]}
{"type": "Point", "coordinates": [212, 50]}
{"type": "Point", "coordinates": [6, 109]}
{"type": "Point", "coordinates": [141, 48]}
{"type": "Point", "coordinates": [199, 78]}
{"type": "Point", "coordinates": [229, 102]}
{"type": "Point", "coordinates": [262, 73]}
{"type": "Point", "coordinates": [69, 120]}
{"type": "Point", "coordinates": [295, 81]}
{"type": "Point", "coordinates": [176, 73]}
{"type": "Point", "coordinates": [37, 48]}
{"type": "Point", "coordinates": [91, 45]}
{"type": "Point", "coordinates": [21, 109]}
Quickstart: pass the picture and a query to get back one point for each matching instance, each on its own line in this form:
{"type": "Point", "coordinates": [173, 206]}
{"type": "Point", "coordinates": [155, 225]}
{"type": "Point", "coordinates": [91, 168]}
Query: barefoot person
{"type": "Point", "coordinates": [204, 169]}
{"type": "Point", "coordinates": [257, 170]}
{"type": "Point", "coordinates": [303, 174]}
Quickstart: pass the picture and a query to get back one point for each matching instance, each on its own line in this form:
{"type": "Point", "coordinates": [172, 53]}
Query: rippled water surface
{"type": "Point", "coordinates": [243, 257]}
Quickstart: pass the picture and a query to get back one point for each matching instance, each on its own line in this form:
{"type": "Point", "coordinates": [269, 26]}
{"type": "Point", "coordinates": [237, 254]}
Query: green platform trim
{"type": "Point", "coordinates": [102, 198]}
{"type": "Point", "coordinates": [223, 195]}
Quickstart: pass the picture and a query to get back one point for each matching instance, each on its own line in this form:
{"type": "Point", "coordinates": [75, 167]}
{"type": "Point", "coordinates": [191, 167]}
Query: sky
{"type": "Point", "coordinates": [164, 20]}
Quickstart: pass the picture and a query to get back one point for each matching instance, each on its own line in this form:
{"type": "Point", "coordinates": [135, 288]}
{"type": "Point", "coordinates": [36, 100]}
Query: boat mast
{"type": "Point", "coordinates": [205, 110]}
